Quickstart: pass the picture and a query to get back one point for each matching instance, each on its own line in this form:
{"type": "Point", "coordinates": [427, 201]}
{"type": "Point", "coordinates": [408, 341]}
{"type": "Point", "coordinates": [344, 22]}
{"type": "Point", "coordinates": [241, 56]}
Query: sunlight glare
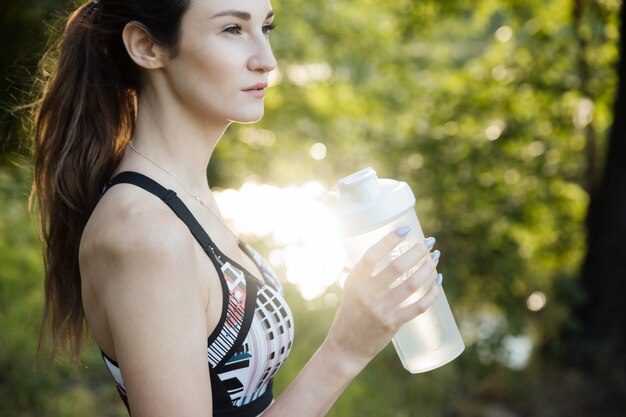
{"type": "Point", "coordinates": [301, 228]}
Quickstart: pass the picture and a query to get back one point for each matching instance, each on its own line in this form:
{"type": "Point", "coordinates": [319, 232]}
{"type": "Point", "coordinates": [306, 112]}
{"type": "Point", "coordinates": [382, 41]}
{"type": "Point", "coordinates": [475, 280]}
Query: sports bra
{"type": "Point", "coordinates": [255, 331]}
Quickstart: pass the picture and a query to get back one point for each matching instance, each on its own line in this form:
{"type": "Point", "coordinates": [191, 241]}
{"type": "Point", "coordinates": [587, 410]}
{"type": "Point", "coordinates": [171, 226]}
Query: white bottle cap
{"type": "Point", "coordinates": [366, 202]}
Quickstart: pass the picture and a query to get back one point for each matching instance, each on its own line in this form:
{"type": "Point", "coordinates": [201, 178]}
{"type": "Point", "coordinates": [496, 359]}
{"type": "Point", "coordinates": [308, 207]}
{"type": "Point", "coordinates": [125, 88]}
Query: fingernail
{"type": "Point", "coordinates": [439, 279]}
{"type": "Point", "coordinates": [436, 255]}
{"type": "Point", "coordinates": [430, 242]}
{"type": "Point", "coordinates": [403, 231]}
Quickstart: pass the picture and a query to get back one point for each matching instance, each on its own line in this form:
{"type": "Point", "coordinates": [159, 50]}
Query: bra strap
{"type": "Point", "coordinates": [170, 198]}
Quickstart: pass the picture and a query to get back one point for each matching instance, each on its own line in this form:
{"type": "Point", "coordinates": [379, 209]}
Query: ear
{"type": "Point", "coordinates": [141, 47]}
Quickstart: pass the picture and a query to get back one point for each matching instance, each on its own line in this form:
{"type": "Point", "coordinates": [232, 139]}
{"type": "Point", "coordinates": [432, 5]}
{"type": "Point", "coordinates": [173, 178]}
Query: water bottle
{"type": "Point", "coordinates": [368, 209]}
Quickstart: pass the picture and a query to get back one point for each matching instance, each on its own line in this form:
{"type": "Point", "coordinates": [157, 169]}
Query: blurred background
{"type": "Point", "coordinates": [508, 121]}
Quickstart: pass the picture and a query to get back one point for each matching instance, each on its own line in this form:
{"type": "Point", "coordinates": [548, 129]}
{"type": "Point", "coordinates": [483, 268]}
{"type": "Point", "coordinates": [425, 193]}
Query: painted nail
{"type": "Point", "coordinates": [439, 279]}
{"type": "Point", "coordinates": [403, 231]}
{"type": "Point", "coordinates": [430, 242]}
{"type": "Point", "coordinates": [436, 255]}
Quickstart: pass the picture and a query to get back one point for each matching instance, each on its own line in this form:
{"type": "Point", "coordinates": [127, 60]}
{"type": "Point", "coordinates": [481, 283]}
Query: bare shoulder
{"type": "Point", "coordinates": [129, 222]}
{"type": "Point", "coordinates": [130, 235]}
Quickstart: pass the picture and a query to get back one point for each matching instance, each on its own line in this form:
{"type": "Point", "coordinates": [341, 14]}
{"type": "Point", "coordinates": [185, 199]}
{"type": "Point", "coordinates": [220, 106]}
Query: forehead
{"type": "Point", "coordinates": [205, 9]}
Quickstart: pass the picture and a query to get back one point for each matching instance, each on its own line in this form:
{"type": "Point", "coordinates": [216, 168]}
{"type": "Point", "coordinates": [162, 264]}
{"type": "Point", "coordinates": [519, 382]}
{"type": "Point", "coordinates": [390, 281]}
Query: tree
{"type": "Point", "coordinates": [603, 315]}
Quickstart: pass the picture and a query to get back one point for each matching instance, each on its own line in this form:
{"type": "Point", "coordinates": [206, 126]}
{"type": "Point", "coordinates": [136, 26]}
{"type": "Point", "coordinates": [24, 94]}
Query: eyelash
{"type": "Point", "coordinates": [268, 28]}
{"type": "Point", "coordinates": [236, 29]}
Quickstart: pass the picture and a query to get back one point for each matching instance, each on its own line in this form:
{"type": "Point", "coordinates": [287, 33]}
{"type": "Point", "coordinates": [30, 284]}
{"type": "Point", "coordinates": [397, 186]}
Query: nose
{"type": "Point", "coordinates": [262, 59]}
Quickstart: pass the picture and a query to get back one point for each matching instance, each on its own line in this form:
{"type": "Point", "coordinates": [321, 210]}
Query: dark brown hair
{"type": "Point", "coordinates": [82, 124]}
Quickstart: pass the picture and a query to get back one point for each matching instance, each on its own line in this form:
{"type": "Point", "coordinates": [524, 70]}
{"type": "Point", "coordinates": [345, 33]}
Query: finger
{"type": "Point", "coordinates": [420, 306]}
{"type": "Point", "coordinates": [406, 264]}
{"type": "Point", "coordinates": [378, 252]}
{"type": "Point", "coordinates": [415, 286]}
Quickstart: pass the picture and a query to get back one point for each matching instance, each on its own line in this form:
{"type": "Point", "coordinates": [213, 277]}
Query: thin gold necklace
{"type": "Point", "coordinates": [191, 193]}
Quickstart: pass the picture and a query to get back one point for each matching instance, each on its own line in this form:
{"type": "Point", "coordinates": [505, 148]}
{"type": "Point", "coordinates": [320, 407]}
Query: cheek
{"type": "Point", "coordinates": [212, 71]}
{"type": "Point", "coordinates": [209, 76]}
{"type": "Point", "coordinates": [192, 83]}
{"type": "Point", "coordinates": [198, 69]}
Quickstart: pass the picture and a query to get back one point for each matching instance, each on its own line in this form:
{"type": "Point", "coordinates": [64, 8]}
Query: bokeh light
{"type": "Point", "coordinates": [536, 301]}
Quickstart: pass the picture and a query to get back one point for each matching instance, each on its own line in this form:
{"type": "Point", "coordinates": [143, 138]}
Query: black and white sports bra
{"type": "Point", "coordinates": [255, 331]}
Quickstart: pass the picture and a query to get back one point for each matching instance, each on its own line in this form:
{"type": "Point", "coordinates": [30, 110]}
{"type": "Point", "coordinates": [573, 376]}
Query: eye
{"type": "Point", "coordinates": [268, 28]}
{"type": "Point", "coordinates": [233, 30]}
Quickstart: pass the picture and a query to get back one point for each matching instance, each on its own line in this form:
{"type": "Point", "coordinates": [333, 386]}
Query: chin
{"type": "Point", "coordinates": [248, 117]}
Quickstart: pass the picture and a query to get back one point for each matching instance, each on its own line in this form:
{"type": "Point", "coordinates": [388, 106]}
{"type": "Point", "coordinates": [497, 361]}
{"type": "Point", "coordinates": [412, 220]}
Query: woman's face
{"type": "Point", "coordinates": [224, 59]}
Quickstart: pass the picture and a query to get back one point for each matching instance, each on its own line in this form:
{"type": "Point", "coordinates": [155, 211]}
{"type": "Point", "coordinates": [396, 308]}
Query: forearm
{"type": "Point", "coordinates": [316, 388]}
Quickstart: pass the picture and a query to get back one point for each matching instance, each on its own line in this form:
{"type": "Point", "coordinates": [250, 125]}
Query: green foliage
{"type": "Point", "coordinates": [484, 107]}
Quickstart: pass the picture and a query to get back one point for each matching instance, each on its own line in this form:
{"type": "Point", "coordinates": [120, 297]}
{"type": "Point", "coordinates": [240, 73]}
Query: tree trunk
{"type": "Point", "coordinates": [602, 342]}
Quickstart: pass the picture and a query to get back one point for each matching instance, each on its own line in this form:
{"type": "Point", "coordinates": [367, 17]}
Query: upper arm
{"type": "Point", "coordinates": [156, 315]}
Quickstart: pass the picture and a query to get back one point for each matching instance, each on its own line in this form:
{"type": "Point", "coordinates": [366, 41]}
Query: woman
{"type": "Point", "coordinates": [135, 245]}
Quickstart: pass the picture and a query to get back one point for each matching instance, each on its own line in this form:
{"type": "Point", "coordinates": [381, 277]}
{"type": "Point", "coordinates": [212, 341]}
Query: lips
{"type": "Point", "coordinates": [257, 86]}
{"type": "Point", "coordinates": [257, 90]}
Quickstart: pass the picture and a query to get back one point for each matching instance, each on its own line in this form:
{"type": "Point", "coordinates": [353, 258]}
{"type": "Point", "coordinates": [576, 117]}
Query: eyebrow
{"type": "Point", "coordinates": [237, 13]}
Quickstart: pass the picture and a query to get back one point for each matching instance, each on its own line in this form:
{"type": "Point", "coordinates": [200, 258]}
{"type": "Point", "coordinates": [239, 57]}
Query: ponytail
{"type": "Point", "coordinates": [84, 121]}
{"type": "Point", "coordinates": [82, 125]}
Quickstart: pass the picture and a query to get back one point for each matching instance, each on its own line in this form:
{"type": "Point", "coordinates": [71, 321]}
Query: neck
{"type": "Point", "coordinates": [180, 142]}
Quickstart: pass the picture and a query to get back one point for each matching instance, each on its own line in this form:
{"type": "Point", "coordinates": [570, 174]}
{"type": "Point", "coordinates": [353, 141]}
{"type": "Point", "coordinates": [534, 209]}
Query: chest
{"type": "Point", "coordinates": [229, 264]}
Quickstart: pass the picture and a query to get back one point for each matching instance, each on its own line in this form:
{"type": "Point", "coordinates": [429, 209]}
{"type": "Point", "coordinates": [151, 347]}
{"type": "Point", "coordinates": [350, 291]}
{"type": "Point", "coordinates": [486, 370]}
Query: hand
{"type": "Point", "coordinates": [371, 312]}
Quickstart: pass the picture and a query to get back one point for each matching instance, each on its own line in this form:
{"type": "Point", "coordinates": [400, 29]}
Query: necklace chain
{"type": "Point", "coordinates": [191, 193]}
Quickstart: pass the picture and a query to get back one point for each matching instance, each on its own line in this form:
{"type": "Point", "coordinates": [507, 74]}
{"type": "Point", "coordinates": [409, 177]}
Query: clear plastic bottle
{"type": "Point", "coordinates": [368, 209]}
